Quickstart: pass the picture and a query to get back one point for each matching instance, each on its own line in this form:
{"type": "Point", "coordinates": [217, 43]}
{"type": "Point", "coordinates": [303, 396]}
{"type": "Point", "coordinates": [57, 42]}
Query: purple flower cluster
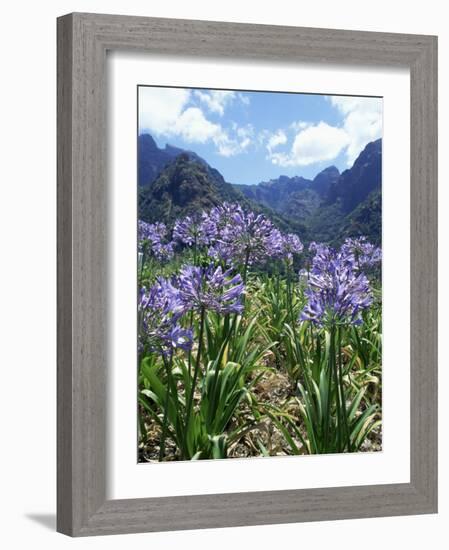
{"type": "Point", "coordinates": [152, 232]}
{"type": "Point", "coordinates": [291, 244]}
{"type": "Point", "coordinates": [210, 288]}
{"type": "Point", "coordinates": [193, 231]}
{"type": "Point", "coordinates": [337, 292]}
{"type": "Point", "coordinates": [231, 235]}
{"type": "Point", "coordinates": [221, 216]}
{"type": "Point", "coordinates": [364, 252]}
{"type": "Point", "coordinates": [152, 240]}
{"type": "Point", "coordinates": [242, 237]}
{"type": "Point", "coordinates": [336, 289]}
{"type": "Point", "coordinates": [160, 310]}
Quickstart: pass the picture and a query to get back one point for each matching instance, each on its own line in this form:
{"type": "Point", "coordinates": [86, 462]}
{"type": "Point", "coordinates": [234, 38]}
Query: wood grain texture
{"type": "Point", "coordinates": [83, 40]}
{"type": "Point", "coordinates": [64, 276]}
{"type": "Point", "coordinates": [423, 288]}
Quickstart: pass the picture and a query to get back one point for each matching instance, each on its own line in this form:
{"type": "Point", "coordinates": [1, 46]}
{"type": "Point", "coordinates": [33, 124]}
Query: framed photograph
{"type": "Point", "coordinates": [247, 274]}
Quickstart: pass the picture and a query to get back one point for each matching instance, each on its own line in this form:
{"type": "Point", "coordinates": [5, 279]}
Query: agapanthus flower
{"type": "Point", "coordinates": [159, 310]}
{"type": "Point", "coordinates": [221, 250]}
{"type": "Point", "coordinates": [150, 232]}
{"type": "Point", "coordinates": [291, 244]}
{"type": "Point", "coordinates": [275, 244]}
{"type": "Point", "coordinates": [178, 337]}
{"type": "Point", "coordinates": [210, 288]}
{"type": "Point", "coordinates": [163, 251]}
{"type": "Point", "coordinates": [152, 240]}
{"type": "Point", "coordinates": [216, 223]}
{"type": "Point", "coordinates": [336, 292]}
{"type": "Point", "coordinates": [243, 237]}
{"type": "Point", "coordinates": [193, 230]}
{"type": "Point", "coordinates": [324, 255]}
{"type": "Point", "coordinates": [364, 252]}
{"type": "Point", "coordinates": [222, 215]}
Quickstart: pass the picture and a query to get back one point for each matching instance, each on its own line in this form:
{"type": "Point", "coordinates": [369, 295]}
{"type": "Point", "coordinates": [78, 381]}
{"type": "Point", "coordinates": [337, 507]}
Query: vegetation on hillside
{"type": "Point", "coordinates": [329, 208]}
{"type": "Point", "coordinates": [250, 345]}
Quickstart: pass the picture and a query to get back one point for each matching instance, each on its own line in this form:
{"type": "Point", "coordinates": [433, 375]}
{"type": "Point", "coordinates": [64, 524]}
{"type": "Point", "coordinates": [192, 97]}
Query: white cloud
{"type": "Point", "coordinates": [316, 143]}
{"type": "Point", "coordinates": [194, 127]}
{"type": "Point", "coordinates": [276, 139]}
{"type": "Point", "coordinates": [172, 112]}
{"type": "Point", "coordinates": [169, 112]}
{"type": "Point", "coordinates": [216, 100]}
{"type": "Point", "coordinates": [226, 147]}
{"type": "Point", "coordinates": [362, 122]}
{"type": "Point", "coordinates": [299, 125]}
{"type": "Point", "coordinates": [160, 108]}
{"type": "Point", "coordinates": [245, 135]}
{"type": "Point", "coordinates": [242, 138]}
{"type": "Point", "coordinates": [263, 136]}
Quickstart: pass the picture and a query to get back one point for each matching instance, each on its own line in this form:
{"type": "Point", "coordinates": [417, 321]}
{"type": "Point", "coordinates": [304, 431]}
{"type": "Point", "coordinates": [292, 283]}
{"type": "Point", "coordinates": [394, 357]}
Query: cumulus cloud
{"type": "Point", "coordinates": [362, 121]}
{"type": "Point", "coordinates": [316, 143]}
{"type": "Point", "coordinates": [299, 125]}
{"type": "Point", "coordinates": [164, 111]}
{"type": "Point", "coordinates": [262, 137]}
{"type": "Point", "coordinates": [194, 127]}
{"type": "Point", "coordinates": [216, 101]}
{"type": "Point", "coordinates": [245, 135]}
{"type": "Point", "coordinates": [276, 139]}
{"type": "Point", "coordinates": [188, 114]}
{"type": "Point", "coordinates": [226, 146]}
{"type": "Point", "coordinates": [159, 108]}
{"type": "Point", "coordinates": [169, 112]}
{"type": "Point", "coordinates": [242, 138]}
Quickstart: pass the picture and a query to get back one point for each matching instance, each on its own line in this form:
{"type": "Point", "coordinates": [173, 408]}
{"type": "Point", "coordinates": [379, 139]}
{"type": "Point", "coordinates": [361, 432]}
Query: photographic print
{"type": "Point", "coordinates": [259, 299]}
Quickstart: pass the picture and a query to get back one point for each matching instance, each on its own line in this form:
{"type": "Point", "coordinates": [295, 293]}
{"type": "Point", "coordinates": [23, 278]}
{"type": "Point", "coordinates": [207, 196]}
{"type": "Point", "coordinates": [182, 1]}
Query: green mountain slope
{"type": "Point", "coordinates": [332, 205]}
{"type": "Point", "coordinates": [186, 186]}
{"type": "Point", "coordinates": [328, 208]}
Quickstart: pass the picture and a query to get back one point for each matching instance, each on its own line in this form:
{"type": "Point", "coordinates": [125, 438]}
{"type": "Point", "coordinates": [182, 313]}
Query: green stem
{"type": "Point", "coordinates": [290, 297]}
{"type": "Point", "coordinates": [329, 388]}
{"type": "Point", "coordinates": [168, 368]}
{"type": "Point", "coordinates": [141, 267]}
{"type": "Point", "coordinates": [190, 349]}
{"type": "Point", "coordinates": [195, 377]}
{"type": "Point", "coordinates": [217, 366]}
{"type": "Point", "coordinates": [194, 252]}
{"type": "Point", "coordinates": [342, 393]}
{"type": "Point", "coordinates": [291, 319]}
{"type": "Point", "coordinates": [339, 413]}
{"type": "Point", "coordinates": [245, 268]}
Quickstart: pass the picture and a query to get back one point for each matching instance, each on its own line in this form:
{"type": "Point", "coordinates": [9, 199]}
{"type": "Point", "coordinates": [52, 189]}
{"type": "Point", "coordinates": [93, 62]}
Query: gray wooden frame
{"type": "Point", "coordinates": [83, 40]}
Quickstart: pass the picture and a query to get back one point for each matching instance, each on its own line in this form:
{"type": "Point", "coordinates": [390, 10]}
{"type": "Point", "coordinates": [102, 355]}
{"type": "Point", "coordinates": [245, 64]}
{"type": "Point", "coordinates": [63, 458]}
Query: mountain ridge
{"type": "Point", "coordinates": [153, 159]}
{"type": "Point", "coordinates": [328, 207]}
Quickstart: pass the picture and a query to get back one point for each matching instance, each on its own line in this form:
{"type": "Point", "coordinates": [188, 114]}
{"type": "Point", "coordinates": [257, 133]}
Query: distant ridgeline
{"type": "Point", "coordinates": [174, 182]}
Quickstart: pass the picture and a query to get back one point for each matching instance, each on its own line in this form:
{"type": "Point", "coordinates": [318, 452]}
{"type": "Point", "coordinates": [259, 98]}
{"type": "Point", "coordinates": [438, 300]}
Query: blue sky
{"type": "Point", "coordinates": [256, 136]}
